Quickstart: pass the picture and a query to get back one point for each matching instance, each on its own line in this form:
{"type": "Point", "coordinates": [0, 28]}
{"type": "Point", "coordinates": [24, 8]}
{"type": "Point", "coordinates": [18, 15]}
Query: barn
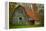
{"type": "Point", "coordinates": [20, 17]}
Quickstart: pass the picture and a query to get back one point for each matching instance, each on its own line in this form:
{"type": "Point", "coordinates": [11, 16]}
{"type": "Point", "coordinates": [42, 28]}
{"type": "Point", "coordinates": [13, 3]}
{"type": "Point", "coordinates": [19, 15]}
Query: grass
{"type": "Point", "coordinates": [24, 26]}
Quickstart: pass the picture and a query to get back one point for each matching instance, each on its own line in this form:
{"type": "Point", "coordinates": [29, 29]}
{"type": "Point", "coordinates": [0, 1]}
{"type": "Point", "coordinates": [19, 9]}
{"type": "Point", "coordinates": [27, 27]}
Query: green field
{"type": "Point", "coordinates": [24, 26]}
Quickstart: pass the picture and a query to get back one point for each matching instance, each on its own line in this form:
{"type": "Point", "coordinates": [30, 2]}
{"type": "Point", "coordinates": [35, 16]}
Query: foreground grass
{"type": "Point", "coordinates": [24, 26]}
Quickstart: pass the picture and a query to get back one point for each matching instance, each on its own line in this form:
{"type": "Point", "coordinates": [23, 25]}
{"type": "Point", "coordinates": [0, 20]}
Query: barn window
{"type": "Point", "coordinates": [20, 18]}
